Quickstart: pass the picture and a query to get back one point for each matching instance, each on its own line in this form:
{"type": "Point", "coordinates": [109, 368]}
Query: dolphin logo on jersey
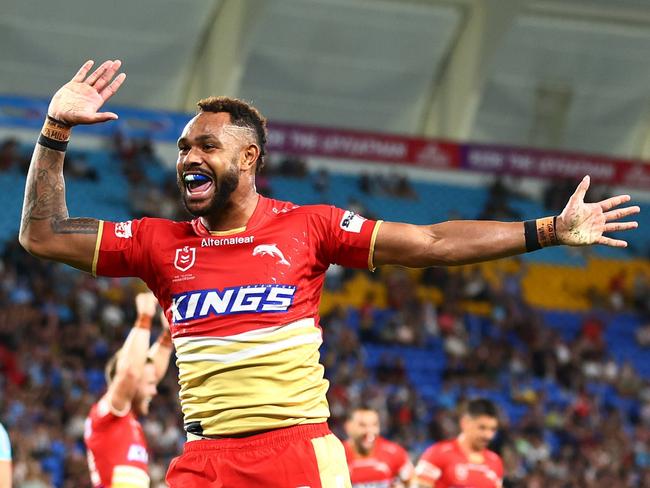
{"type": "Point", "coordinates": [271, 250]}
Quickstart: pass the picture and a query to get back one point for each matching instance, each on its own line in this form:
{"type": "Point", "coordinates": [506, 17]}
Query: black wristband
{"type": "Point", "coordinates": [52, 144]}
{"type": "Point", "coordinates": [530, 234]}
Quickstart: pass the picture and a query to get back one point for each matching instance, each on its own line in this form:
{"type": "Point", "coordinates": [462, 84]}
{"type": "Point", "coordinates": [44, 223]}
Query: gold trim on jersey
{"type": "Point", "coordinates": [332, 465]}
{"type": "Point", "coordinates": [98, 243]}
{"type": "Point", "coordinates": [257, 380]}
{"type": "Point", "coordinates": [236, 347]}
{"type": "Point", "coordinates": [227, 232]}
{"type": "Point", "coordinates": [371, 251]}
{"type": "Point", "coordinates": [125, 476]}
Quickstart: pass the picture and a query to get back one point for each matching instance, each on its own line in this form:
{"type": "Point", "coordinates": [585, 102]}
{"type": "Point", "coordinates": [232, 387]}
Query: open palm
{"type": "Point", "coordinates": [582, 224]}
{"type": "Point", "coordinates": [78, 101]}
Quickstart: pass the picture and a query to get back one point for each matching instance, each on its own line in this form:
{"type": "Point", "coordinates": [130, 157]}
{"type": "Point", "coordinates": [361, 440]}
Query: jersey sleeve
{"type": "Point", "coordinates": [120, 248]}
{"type": "Point", "coordinates": [346, 238]}
{"type": "Point", "coordinates": [404, 466]}
{"type": "Point", "coordinates": [5, 445]}
{"type": "Point", "coordinates": [428, 470]}
{"type": "Point", "coordinates": [105, 415]}
{"type": "Point", "coordinates": [498, 467]}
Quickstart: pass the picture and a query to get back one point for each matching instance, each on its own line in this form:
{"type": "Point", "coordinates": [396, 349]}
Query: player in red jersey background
{"type": "Point", "coordinates": [464, 462]}
{"type": "Point", "coordinates": [116, 446]}
{"type": "Point", "coordinates": [374, 461]}
{"type": "Point", "coordinates": [241, 283]}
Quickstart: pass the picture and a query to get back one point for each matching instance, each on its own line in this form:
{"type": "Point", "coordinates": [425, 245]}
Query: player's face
{"type": "Point", "coordinates": [207, 169]}
{"type": "Point", "coordinates": [479, 430]}
{"type": "Point", "coordinates": [146, 391]}
{"type": "Point", "coordinates": [363, 429]}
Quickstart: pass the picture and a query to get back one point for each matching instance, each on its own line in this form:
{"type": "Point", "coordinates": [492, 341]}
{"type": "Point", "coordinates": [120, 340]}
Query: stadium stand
{"type": "Point", "coordinates": [553, 338]}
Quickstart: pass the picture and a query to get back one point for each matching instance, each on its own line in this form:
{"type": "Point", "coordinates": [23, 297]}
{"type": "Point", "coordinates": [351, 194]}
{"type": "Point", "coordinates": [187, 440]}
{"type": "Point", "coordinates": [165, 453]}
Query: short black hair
{"type": "Point", "coordinates": [242, 114]}
{"type": "Point", "coordinates": [480, 407]}
{"type": "Point", "coordinates": [360, 408]}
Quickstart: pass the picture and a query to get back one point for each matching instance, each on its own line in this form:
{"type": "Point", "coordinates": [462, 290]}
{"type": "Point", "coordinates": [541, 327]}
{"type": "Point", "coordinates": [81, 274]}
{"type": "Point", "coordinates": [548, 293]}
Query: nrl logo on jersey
{"type": "Point", "coordinates": [185, 258]}
{"type": "Point", "coordinates": [238, 299]}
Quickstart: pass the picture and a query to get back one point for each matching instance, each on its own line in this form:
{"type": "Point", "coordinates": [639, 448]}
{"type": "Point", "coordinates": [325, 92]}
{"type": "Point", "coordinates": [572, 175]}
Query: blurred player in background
{"type": "Point", "coordinates": [5, 459]}
{"type": "Point", "coordinates": [117, 448]}
{"type": "Point", "coordinates": [464, 462]}
{"type": "Point", "coordinates": [374, 462]}
{"type": "Point", "coordinates": [241, 282]}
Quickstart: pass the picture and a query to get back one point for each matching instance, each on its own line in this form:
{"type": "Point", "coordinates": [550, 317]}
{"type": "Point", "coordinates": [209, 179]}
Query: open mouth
{"type": "Point", "coordinates": [197, 184]}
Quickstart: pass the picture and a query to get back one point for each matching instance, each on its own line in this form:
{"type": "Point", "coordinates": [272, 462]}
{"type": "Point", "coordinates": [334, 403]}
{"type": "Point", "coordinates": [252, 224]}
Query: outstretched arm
{"type": "Point", "coordinates": [46, 229]}
{"type": "Point", "coordinates": [133, 355]}
{"type": "Point", "coordinates": [467, 241]}
{"type": "Point", "coordinates": [161, 350]}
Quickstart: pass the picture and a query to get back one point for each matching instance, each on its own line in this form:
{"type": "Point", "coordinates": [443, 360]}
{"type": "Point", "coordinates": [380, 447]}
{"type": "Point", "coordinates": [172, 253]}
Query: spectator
{"type": "Point", "coordinates": [366, 184]}
{"type": "Point", "coordinates": [497, 206]}
{"type": "Point", "coordinates": [77, 167]}
{"type": "Point", "coordinates": [617, 291]}
{"type": "Point", "coordinates": [643, 335]}
{"type": "Point", "coordinates": [9, 155]}
{"type": "Point", "coordinates": [321, 181]}
{"type": "Point", "coordinates": [403, 188]}
{"type": "Point", "coordinates": [293, 166]}
{"type": "Point", "coordinates": [5, 459]}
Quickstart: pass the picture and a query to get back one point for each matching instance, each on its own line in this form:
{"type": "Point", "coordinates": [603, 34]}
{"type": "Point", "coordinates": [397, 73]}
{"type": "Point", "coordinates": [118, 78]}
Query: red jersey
{"type": "Point", "coordinates": [445, 465]}
{"type": "Point", "coordinates": [243, 307]}
{"type": "Point", "coordinates": [116, 448]}
{"type": "Point", "coordinates": [386, 463]}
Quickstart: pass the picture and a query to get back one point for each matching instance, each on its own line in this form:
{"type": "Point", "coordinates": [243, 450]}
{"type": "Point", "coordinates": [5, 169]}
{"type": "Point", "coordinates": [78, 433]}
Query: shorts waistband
{"type": "Point", "coordinates": [270, 438]}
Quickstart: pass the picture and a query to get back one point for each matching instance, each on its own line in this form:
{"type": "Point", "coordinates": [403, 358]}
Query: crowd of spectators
{"type": "Point", "coordinates": [497, 205]}
{"type": "Point", "coordinates": [54, 343]}
{"type": "Point", "coordinates": [572, 416]}
{"type": "Point", "coordinates": [58, 327]}
{"type": "Point", "coordinates": [56, 339]}
{"type": "Point", "coordinates": [395, 185]}
{"type": "Point", "coordinates": [10, 155]}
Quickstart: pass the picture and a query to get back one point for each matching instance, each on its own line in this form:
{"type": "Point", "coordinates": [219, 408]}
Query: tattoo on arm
{"type": "Point", "coordinates": [81, 225]}
{"type": "Point", "coordinates": [45, 195]}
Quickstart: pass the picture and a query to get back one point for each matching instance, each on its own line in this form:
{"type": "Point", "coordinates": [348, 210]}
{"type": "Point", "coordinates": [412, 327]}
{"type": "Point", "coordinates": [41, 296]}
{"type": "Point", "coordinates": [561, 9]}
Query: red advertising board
{"type": "Point", "coordinates": [445, 155]}
{"type": "Point", "coordinates": [365, 146]}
